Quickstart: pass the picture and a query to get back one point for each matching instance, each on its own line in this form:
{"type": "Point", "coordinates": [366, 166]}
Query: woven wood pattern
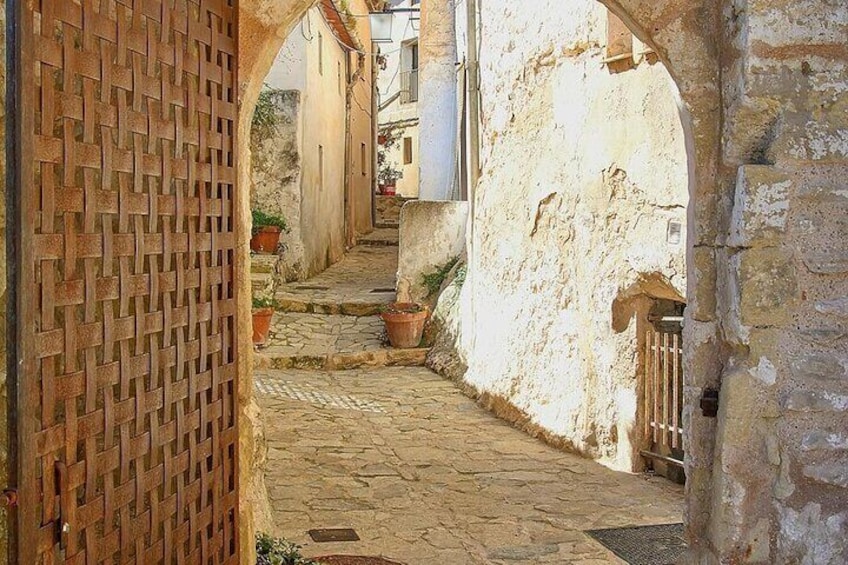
{"type": "Point", "coordinates": [132, 306]}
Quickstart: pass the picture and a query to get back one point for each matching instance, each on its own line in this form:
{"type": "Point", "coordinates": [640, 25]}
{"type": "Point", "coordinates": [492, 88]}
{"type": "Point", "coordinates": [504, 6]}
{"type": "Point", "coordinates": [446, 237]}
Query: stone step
{"type": "Point", "coordinates": [344, 361]}
{"type": "Point", "coordinates": [379, 242]}
{"type": "Point", "coordinates": [325, 307]}
{"type": "Point", "coordinates": [263, 264]}
{"type": "Point", "coordinates": [381, 237]}
{"type": "Point", "coordinates": [387, 224]}
{"type": "Point", "coordinates": [260, 282]}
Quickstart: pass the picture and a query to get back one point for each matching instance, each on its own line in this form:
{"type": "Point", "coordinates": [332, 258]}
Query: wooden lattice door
{"type": "Point", "coordinates": [123, 217]}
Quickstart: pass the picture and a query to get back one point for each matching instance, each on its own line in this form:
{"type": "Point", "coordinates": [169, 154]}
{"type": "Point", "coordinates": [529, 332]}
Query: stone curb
{"type": "Point", "coordinates": [344, 361]}
{"type": "Point", "coordinates": [379, 242]}
{"type": "Point", "coordinates": [359, 309]}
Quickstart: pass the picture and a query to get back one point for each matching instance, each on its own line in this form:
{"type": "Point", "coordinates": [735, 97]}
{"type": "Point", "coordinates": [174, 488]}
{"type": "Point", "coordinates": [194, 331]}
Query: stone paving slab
{"type": "Point", "coordinates": [358, 285]}
{"type": "Point", "coordinates": [425, 476]}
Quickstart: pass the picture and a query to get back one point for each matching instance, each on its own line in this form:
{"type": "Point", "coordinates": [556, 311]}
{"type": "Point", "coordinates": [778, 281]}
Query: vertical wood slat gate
{"type": "Point", "coordinates": [125, 174]}
{"type": "Point", "coordinates": [663, 390]}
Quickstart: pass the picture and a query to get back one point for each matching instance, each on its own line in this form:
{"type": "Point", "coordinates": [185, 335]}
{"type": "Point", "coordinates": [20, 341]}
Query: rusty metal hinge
{"type": "Point", "coordinates": [709, 403]}
{"type": "Point", "coordinates": [9, 498]}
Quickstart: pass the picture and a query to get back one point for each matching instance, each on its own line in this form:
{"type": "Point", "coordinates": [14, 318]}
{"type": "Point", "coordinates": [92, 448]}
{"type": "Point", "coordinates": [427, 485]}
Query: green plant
{"type": "Point", "coordinates": [262, 302]}
{"type": "Point", "coordinates": [435, 279]}
{"type": "Point", "coordinates": [266, 116]}
{"type": "Point", "coordinates": [261, 220]}
{"type": "Point", "coordinates": [277, 551]}
{"type": "Point", "coordinates": [402, 308]}
{"type": "Point", "coordinates": [389, 174]}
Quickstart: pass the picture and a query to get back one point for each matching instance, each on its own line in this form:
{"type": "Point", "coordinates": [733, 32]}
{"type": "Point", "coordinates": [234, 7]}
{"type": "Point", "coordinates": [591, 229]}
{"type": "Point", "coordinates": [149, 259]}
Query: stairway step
{"type": "Point", "coordinates": [344, 361]}
{"type": "Point", "coordinates": [312, 306]}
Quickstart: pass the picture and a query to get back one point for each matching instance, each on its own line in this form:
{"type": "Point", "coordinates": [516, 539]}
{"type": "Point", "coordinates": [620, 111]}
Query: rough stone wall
{"type": "Point", "coordinates": [585, 168]}
{"type": "Point", "coordinates": [781, 495]}
{"type": "Point", "coordinates": [275, 176]}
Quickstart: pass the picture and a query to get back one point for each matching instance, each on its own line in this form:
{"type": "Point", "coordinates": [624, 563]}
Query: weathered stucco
{"type": "Point", "coordinates": [275, 179]}
{"type": "Point", "coordinates": [585, 170]}
{"type": "Point", "coordinates": [431, 235]}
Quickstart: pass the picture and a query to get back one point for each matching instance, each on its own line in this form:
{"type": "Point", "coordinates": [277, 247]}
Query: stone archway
{"type": "Point", "coordinates": [680, 32]}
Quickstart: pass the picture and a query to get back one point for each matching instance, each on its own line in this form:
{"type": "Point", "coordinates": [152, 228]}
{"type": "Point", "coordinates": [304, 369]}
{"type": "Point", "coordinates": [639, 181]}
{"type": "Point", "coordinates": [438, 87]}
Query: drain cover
{"type": "Point", "coordinates": [353, 560]}
{"type": "Point", "coordinates": [333, 534]}
{"type": "Point", "coordinates": [307, 287]}
{"type": "Point", "coordinates": [644, 545]}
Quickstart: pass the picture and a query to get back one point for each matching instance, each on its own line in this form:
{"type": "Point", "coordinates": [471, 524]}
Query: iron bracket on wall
{"type": "Point", "coordinates": [709, 403]}
{"type": "Point", "coordinates": [9, 498]}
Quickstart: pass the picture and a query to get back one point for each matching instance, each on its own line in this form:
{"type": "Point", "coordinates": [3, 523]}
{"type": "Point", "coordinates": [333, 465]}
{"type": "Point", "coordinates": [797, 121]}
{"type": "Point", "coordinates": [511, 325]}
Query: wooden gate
{"type": "Point", "coordinates": [663, 395]}
{"type": "Point", "coordinates": [123, 251]}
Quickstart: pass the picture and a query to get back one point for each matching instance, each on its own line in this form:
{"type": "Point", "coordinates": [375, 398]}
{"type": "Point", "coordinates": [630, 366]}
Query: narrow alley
{"type": "Point", "coordinates": [397, 453]}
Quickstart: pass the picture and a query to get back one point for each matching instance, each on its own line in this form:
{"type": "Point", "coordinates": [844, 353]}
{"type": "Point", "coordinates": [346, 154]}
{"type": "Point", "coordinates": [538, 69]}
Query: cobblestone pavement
{"type": "Point", "coordinates": [353, 280]}
{"type": "Point", "coordinates": [427, 477]}
{"type": "Point", "coordinates": [319, 334]}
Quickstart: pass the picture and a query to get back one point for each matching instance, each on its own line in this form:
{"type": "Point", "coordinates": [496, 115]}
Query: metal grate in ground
{"type": "Point", "coordinates": [644, 545]}
{"type": "Point", "coordinates": [327, 535]}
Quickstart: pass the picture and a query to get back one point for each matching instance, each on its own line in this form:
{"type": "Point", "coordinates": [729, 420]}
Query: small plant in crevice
{"type": "Point", "coordinates": [277, 551]}
{"type": "Point", "coordinates": [266, 115]}
{"type": "Point", "coordinates": [435, 279]}
{"type": "Point", "coordinates": [263, 220]}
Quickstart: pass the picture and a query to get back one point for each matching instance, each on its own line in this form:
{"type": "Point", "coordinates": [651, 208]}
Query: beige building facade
{"type": "Point", "coordinates": [317, 167]}
{"type": "Point", "coordinates": [399, 87]}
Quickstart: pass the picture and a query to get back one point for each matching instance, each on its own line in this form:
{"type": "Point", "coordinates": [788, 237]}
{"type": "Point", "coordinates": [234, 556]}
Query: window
{"type": "Point", "coordinates": [407, 150]}
{"type": "Point", "coordinates": [619, 40]}
{"type": "Point", "coordinates": [320, 54]}
{"type": "Point", "coordinates": [363, 159]}
{"type": "Point", "coordinates": [320, 167]}
{"type": "Point", "coordinates": [409, 76]}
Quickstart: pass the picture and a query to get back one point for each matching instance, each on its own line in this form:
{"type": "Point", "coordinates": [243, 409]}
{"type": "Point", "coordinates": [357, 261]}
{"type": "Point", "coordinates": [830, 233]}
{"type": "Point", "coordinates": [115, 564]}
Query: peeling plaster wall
{"type": "Point", "coordinates": [584, 168]}
{"type": "Point", "coordinates": [275, 178]}
{"type": "Point", "coordinates": [431, 235]}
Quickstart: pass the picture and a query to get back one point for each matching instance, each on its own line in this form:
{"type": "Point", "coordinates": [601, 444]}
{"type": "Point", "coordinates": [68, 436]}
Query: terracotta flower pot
{"type": "Point", "coordinates": [262, 325]}
{"type": "Point", "coordinates": [266, 239]}
{"type": "Point", "coordinates": [404, 328]}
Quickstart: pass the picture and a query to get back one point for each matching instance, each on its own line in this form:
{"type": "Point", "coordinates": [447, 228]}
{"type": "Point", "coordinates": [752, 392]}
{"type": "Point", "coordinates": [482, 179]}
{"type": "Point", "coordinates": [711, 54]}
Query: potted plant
{"type": "Point", "coordinates": [388, 177]}
{"type": "Point", "coordinates": [404, 323]}
{"type": "Point", "coordinates": [266, 232]}
{"type": "Point", "coordinates": [263, 311]}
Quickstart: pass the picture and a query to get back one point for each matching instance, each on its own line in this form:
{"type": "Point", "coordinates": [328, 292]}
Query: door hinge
{"type": "Point", "coordinates": [709, 403]}
{"type": "Point", "coordinates": [10, 497]}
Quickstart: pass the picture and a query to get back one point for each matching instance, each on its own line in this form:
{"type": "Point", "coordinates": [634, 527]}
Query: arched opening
{"type": "Point", "coordinates": [664, 214]}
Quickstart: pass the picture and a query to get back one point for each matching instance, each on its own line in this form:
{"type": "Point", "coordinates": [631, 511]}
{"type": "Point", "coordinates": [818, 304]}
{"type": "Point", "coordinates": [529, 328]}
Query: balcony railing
{"type": "Point", "coordinates": [409, 87]}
